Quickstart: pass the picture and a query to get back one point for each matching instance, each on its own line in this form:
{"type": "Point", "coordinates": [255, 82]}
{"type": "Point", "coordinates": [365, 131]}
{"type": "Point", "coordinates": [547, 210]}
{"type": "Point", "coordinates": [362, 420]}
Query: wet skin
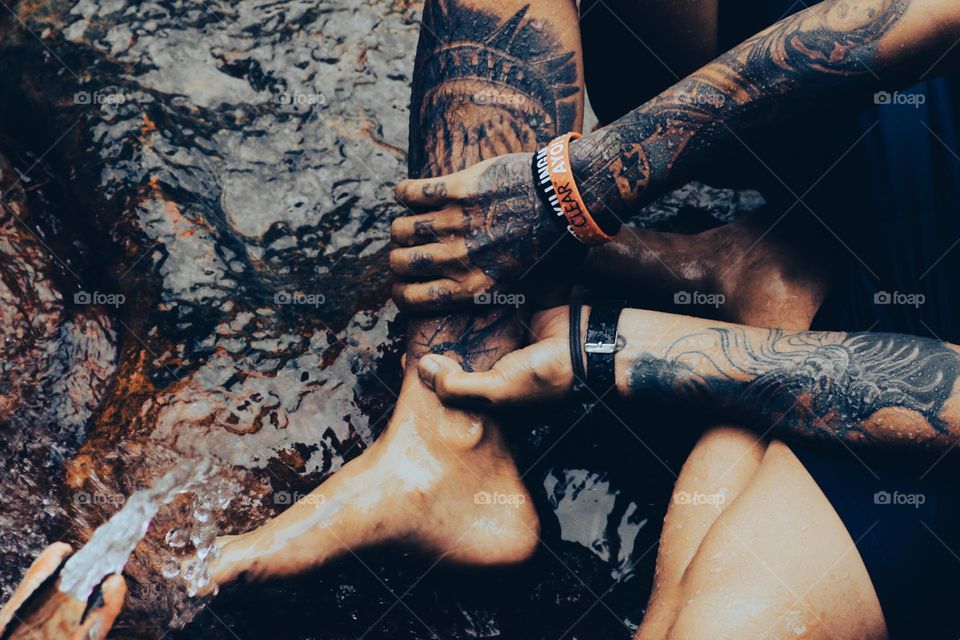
{"type": "Point", "coordinates": [210, 363]}
{"type": "Point", "coordinates": [201, 205]}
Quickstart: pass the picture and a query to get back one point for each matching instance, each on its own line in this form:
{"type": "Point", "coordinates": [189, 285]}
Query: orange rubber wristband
{"type": "Point", "coordinates": [579, 221]}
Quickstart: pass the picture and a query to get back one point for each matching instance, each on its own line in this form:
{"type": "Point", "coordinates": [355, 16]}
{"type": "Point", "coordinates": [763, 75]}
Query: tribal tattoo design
{"type": "Point", "coordinates": [867, 388]}
{"type": "Point", "coordinates": [658, 145]}
{"type": "Point", "coordinates": [485, 85]}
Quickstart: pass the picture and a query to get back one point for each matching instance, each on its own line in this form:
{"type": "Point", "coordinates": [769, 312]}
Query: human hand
{"type": "Point", "coordinates": [541, 371]}
{"type": "Point", "coordinates": [39, 610]}
{"type": "Point", "coordinates": [486, 226]}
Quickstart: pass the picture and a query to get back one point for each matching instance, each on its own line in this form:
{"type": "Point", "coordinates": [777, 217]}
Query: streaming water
{"type": "Point", "coordinates": [112, 543]}
{"type": "Point", "coordinates": [200, 185]}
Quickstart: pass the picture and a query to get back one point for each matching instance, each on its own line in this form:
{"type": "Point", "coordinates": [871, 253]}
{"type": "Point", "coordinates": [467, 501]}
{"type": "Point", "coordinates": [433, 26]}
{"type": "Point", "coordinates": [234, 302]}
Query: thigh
{"type": "Point", "coordinates": [778, 563]}
{"type": "Point", "coordinates": [717, 470]}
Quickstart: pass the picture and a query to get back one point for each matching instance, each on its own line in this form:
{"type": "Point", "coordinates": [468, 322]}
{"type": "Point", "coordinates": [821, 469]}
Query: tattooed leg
{"type": "Point", "coordinates": [485, 83]}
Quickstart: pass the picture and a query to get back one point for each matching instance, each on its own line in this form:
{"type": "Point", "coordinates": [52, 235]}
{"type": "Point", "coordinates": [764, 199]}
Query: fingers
{"type": "Point", "coordinates": [433, 295]}
{"type": "Point", "coordinates": [455, 386]}
{"type": "Point", "coordinates": [99, 620]}
{"type": "Point", "coordinates": [541, 371]}
{"type": "Point", "coordinates": [430, 260]}
{"type": "Point", "coordinates": [432, 192]}
{"type": "Point", "coordinates": [42, 568]}
{"type": "Point", "coordinates": [428, 227]}
{"type": "Point", "coordinates": [441, 293]}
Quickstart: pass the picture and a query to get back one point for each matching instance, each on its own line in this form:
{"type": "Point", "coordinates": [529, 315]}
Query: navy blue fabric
{"type": "Point", "coordinates": [891, 212]}
{"type": "Point", "coordinates": [899, 222]}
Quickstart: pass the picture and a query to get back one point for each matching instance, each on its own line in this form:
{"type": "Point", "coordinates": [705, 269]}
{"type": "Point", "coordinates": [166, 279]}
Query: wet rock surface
{"type": "Point", "coordinates": [55, 364]}
{"type": "Point", "coordinates": [217, 285]}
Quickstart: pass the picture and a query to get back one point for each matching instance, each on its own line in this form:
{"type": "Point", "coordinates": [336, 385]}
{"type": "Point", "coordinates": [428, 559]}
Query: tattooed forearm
{"type": "Point", "coordinates": [866, 388]}
{"type": "Point", "coordinates": [830, 50]}
{"type": "Point", "coordinates": [487, 82]}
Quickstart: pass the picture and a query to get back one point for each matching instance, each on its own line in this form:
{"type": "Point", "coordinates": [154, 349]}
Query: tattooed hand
{"type": "Point", "coordinates": [487, 226]}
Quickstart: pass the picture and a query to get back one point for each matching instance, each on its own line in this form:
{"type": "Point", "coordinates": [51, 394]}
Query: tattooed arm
{"type": "Point", "coordinates": [829, 54]}
{"type": "Point", "coordinates": [489, 79]}
{"type": "Point", "coordinates": [876, 389]}
{"type": "Point", "coordinates": [814, 60]}
{"type": "Point", "coordinates": [863, 388]}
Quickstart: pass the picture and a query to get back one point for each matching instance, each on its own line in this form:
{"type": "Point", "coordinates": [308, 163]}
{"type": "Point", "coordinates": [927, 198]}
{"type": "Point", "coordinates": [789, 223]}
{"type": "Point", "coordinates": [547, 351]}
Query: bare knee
{"type": "Point", "coordinates": [731, 443]}
{"type": "Point", "coordinates": [709, 616]}
{"type": "Point", "coordinates": [724, 460]}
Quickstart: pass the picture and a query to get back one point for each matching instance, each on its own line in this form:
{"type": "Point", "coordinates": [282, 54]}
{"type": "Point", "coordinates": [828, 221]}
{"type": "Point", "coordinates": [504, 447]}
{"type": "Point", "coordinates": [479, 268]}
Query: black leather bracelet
{"type": "Point", "coordinates": [601, 344]}
{"type": "Point", "coordinates": [576, 356]}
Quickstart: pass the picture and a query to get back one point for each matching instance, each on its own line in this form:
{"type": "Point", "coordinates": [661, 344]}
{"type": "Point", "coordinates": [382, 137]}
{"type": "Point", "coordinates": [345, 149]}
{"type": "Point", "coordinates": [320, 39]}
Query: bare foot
{"type": "Point", "coordinates": [765, 271]}
{"type": "Point", "coordinates": [441, 480]}
{"type": "Point", "coordinates": [40, 611]}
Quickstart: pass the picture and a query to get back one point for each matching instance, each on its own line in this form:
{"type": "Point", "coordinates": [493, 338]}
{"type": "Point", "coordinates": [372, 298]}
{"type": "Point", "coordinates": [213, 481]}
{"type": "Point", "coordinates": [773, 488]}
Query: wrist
{"type": "Point", "coordinates": [557, 188]}
{"type": "Point", "coordinates": [622, 363]}
{"type": "Point", "coordinates": [590, 160]}
{"type": "Point", "coordinates": [554, 224]}
{"type": "Point", "coordinates": [584, 325]}
{"type": "Point", "coordinates": [645, 334]}
{"type": "Point", "coordinates": [597, 346]}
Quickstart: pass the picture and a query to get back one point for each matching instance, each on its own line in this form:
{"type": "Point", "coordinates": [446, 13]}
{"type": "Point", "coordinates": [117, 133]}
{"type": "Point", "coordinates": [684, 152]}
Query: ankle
{"type": "Point", "coordinates": [420, 409]}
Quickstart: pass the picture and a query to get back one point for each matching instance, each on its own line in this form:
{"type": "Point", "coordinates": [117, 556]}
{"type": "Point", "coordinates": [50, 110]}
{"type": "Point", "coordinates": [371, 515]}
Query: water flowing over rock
{"type": "Point", "coordinates": [203, 194]}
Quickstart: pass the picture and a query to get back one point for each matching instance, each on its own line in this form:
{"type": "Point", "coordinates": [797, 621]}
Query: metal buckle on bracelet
{"type": "Point", "coordinates": [600, 347]}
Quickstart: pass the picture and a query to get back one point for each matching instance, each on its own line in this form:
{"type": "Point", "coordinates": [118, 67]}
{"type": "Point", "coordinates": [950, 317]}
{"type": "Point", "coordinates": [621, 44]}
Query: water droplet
{"type": "Point", "coordinates": [170, 569]}
{"type": "Point", "coordinates": [176, 538]}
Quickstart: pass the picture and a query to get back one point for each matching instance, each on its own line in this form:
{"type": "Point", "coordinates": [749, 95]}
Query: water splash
{"type": "Point", "coordinates": [113, 542]}
{"type": "Point", "coordinates": [200, 533]}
